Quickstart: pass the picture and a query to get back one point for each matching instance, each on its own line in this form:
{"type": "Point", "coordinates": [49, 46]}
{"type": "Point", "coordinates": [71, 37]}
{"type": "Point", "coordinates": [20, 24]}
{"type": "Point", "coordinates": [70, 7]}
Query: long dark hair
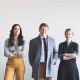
{"type": "Point", "coordinates": [11, 37]}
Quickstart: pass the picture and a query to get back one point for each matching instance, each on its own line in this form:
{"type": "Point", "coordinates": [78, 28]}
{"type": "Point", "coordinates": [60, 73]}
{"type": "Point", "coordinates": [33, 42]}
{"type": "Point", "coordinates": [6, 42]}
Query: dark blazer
{"type": "Point", "coordinates": [35, 54]}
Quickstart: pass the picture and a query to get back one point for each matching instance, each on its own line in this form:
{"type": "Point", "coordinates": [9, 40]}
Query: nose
{"type": "Point", "coordinates": [44, 30]}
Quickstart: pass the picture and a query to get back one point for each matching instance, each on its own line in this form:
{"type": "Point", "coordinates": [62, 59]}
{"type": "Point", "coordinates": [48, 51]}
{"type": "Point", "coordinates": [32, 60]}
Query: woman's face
{"type": "Point", "coordinates": [16, 30]}
{"type": "Point", "coordinates": [69, 35]}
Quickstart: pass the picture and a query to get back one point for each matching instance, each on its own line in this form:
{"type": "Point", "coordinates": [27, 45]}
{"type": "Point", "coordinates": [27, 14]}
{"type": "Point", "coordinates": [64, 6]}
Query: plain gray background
{"type": "Point", "coordinates": [58, 14]}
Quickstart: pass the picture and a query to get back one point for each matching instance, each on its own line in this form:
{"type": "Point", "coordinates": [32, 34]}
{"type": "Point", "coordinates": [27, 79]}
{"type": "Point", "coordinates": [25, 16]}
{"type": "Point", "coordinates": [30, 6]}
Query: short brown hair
{"type": "Point", "coordinates": [43, 24]}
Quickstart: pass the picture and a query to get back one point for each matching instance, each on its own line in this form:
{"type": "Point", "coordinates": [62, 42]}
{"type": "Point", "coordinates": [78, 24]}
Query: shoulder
{"type": "Point", "coordinates": [24, 41]}
{"type": "Point", "coordinates": [62, 43]}
{"type": "Point", "coordinates": [74, 43]}
{"type": "Point", "coordinates": [35, 39]}
{"type": "Point", "coordinates": [7, 40]}
{"type": "Point", "coordinates": [50, 38]}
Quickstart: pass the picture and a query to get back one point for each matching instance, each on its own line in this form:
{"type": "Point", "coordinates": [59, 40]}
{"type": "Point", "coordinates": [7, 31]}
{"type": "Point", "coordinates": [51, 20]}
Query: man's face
{"type": "Point", "coordinates": [43, 31]}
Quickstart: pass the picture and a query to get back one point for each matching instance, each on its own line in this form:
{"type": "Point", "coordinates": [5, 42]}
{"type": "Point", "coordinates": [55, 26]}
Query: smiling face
{"type": "Point", "coordinates": [68, 35]}
{"type": "Point", "coordinates": [43, 31]}
{"type": "Point", "coordinates": [16, 30]}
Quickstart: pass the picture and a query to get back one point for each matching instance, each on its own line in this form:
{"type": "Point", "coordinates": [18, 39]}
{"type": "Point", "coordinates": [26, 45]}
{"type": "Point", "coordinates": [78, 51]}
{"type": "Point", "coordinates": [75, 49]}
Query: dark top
{"type": "Point", "coordinates": [67, 68]}
{"type": "Point", "coordinates": [64, 48]}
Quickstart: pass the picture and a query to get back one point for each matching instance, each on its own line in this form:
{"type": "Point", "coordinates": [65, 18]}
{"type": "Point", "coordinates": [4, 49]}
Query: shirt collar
{"type": "Point", "coordinates": [43, 37]}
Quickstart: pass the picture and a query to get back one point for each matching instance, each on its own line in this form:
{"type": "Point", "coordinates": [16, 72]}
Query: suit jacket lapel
{"type": "Point", "coordinates": [39, 44]}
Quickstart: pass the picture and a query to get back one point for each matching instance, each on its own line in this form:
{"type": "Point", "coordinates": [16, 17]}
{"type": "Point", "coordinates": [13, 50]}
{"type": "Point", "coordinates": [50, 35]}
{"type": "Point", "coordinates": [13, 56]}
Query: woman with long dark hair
{"type": "Point", "coordinates": [14, 50]}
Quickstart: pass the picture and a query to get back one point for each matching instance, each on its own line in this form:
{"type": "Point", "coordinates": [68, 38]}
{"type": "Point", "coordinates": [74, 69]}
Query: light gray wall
{"type": "Point", "coordinates": [59, 15]}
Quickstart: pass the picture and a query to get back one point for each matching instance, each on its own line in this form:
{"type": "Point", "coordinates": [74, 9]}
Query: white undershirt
{"type": "Point", "coordinates": [42, 59]}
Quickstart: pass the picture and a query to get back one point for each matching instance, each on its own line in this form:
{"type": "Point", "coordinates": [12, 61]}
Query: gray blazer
{"type": "Point", "coordinates": [35, 54]}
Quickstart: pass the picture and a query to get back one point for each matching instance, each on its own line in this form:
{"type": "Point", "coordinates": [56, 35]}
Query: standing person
{"type": "Point", "coordinates": [41, 53]}
{"type": "Point", "coordinates": [67, 53]}
{"type": "Point", "coordinates": [13, 49]}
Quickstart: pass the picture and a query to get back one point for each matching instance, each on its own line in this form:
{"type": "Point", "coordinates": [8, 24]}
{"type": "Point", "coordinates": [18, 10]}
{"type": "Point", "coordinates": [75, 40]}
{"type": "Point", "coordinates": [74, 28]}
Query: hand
{"type": "Point", "coordinates": [66, 58]}
{"type": "Point", "coordinates": [66, 54]}
{"type": "Point", "coordinates": [12, 56]}
{"type": "Point", "coordinates": [70, 55]}
{"type": "Point", "coordinates": [16, 55]}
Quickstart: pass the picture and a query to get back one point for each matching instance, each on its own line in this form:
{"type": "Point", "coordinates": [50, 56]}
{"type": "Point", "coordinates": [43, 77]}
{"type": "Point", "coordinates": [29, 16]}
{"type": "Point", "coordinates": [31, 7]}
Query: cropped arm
{"type": "Point", "coordinates": [7, 53]}
{"type": "Point", "coordinates": [21, 51]}
{"type": "Point", "coordinates": [54, 51]}
{"type": "Point", "coordinates": [55, 55]}
{"type": "Point", "coordinates": [60, 54]}
{"type": "Point", "coordinates": [74, 54]}
{"type": "Point", "coordinates": [31, 53]}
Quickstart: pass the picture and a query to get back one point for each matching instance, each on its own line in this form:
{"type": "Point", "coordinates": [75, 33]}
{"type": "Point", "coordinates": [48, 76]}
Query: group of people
{"type": "Point", "coordinates": [42, 51]}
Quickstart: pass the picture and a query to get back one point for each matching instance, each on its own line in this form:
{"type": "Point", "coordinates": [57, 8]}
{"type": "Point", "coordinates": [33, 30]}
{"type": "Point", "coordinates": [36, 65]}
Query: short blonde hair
{"type": "Point", "coordinates": [68, 29]}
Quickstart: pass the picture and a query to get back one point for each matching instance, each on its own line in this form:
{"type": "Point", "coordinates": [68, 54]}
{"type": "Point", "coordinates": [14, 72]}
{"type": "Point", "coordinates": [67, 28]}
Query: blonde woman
{"type": "Point", "coordinates": [67, 53]}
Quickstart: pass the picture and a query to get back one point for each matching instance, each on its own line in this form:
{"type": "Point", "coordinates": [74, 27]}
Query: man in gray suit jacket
{"type": "Point", "coordinates": [42, 51]}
